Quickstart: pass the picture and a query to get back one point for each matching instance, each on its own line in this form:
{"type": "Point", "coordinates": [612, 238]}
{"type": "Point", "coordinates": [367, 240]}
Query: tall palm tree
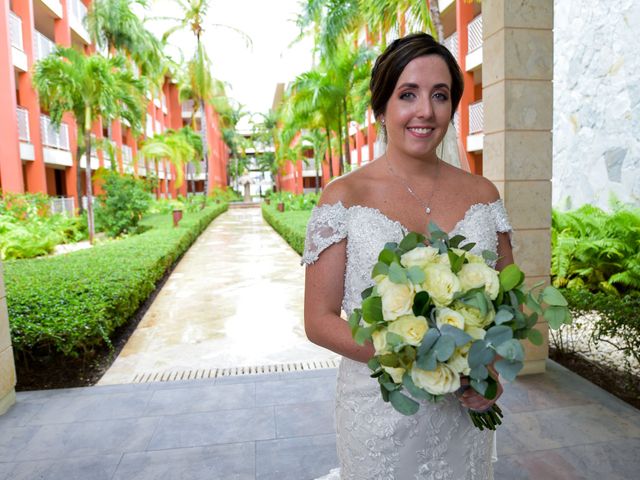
{"type": "Point", "coordinates": [91, 88]}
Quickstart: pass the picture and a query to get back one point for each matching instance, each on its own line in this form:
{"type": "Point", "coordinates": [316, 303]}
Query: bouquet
{"type": "Point", "coordinates": [438, 312]}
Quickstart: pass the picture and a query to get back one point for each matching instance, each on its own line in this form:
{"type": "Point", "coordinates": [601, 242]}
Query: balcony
{"type": "Point", "coordinates": [55, 143]}
{"type": "Point", "coordinates": [451, 42]}
{"type": "Point", "coordinates": [66, 205]}
{"type": "Point", "coordinates": [187, 110]}
{"type": "Point", "coordinates": [77, 14]}
{"type": "Point", "coordinates": [474, 50]}
{"type": "Point", "coordinates": [444, 4]}
{"type": "Point", "coordinates": [18, 56]}
{"type": "Point", "coordinates": [127, 158]}
{"type": "Point", "coordinates": [164, 104]}
{"type": "Point", "coordinates": [54, 7]}
{"type": "Point", "coordinates": [42, 46]}
{"type": "Point", "coordinates": [476, 126]}
{"type": "Point", "coordinates": [27, 151]}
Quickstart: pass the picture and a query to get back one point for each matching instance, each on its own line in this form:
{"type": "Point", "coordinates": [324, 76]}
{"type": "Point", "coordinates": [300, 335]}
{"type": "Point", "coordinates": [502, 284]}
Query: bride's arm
{"type": "Point", "coordinates": [323, 291]}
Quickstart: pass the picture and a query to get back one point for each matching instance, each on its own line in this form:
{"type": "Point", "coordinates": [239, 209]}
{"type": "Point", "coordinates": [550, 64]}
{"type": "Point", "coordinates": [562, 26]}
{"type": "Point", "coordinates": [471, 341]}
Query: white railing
{"type": "Point", "coordinates": [163, 100]}
{"type": "Point", "coordinates": [52, 137]}
{"type": "Point", "coordinates": [476, 117]}
{"type": "Point", "coordinates": [15, 31]}
{"type": "Point", "coordinates": [149, 126]}
{"type": "Point", "coordinates": [127, 155]}
{"type": "Point", "coordinates": [158, 127]}
{"type": "Point", "coordinates": [78, 10]}
{"type": "Point", "coordinates": [63, 205]}
{"type": "Point", "coordinates": [474, 31]}
{"type": "Point", "coordinates": [451, 43]}
{"type": "Point", "coordinates": [43, 46]}
{"type": "Point", "coordinates": [23, 124]}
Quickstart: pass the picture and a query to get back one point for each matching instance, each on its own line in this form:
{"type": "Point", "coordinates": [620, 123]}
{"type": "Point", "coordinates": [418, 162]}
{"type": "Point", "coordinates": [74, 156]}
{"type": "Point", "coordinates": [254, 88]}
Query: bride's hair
{"type": "Point", "coordinates": [396, 57]}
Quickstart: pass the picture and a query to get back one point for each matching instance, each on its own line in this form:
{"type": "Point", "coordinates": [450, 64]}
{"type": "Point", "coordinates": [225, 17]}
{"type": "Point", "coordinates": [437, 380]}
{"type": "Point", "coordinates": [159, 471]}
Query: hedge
{"type": "Point", "coordinates": [70, 304]}
{"type": "Point", "coordinates": [291, 225]}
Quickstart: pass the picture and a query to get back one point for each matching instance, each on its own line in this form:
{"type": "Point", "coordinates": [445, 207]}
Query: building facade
{"type": "Point", "coordinates": [35, 157]}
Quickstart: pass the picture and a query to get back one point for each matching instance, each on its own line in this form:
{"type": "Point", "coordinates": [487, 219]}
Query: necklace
{"type": "Point", "coordinates": [426, 206]}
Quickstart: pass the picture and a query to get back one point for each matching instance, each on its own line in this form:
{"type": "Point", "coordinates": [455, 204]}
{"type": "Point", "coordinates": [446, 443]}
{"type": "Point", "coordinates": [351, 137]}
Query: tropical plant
{"type": "Point", "coordinates": [91, 88]}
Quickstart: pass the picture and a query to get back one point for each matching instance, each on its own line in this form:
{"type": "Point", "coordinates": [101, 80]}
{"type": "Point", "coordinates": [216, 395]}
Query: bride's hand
{"type": "Point", "coordinates": [473, 400]}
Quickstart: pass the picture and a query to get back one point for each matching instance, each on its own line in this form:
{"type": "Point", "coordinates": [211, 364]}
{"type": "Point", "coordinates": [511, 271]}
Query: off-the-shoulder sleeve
{"type": "Point", "coordinates": [500, 218]}
{"type": "Point", "coordinates": [327, 225]}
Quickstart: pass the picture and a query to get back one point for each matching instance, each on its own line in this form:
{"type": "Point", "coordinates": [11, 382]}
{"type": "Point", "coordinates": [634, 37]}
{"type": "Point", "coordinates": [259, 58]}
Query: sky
{"type": "Point", "coordinates": [251, 72]}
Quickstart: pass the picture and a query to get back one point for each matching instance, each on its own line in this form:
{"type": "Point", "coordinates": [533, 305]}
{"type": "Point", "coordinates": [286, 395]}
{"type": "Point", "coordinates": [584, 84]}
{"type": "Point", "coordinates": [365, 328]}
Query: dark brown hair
{"type": "Point", "coordinates": [396, 57]}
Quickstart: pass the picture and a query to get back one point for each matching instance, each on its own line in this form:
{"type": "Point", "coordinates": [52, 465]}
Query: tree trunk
{"type": "Point", "coordinates": [87, 137]}
{"type": "Point", "coordinates": [434, 11]}
{"type": "Point", "coordinates": [79, 152]}
{"type": "Point", "coordinates": [205, 151]}
{"type": "Point", "coordinates": [347, 143]}
{"type": "Point", "coordinates": [341, 164]}
{"type": "Point", "coordinates": [326, 129]}
{"type": "Point", "coordinates": [317, 161]}
{"type": "Point", "coordinates": [166, 179]}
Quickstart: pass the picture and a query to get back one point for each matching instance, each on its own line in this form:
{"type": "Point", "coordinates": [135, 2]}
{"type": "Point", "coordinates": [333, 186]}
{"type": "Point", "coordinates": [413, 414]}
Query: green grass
{"type": "Point", "coordinates": [291, 225]}
{"type": "Point", "coordinates": [70, 304]}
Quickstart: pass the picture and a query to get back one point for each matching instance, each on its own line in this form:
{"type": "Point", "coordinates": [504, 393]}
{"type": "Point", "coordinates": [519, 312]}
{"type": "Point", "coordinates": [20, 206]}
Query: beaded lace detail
{"type": "Point", "coordinates": [374, 441]}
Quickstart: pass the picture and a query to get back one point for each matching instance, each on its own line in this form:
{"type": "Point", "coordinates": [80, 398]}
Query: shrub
{"type": "Point", "coordinates": [295, 202]}
{"type": "Point", "coordinates": [291, 225]}
{"type": "Point", "coordinates": [69, 304]}
{"type": "Point", "coordinates": [121, 207]}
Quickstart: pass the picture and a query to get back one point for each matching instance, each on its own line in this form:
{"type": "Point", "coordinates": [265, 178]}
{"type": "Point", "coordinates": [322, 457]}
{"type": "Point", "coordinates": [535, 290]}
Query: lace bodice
{"type": "Point", "coordinates": [374, 441]}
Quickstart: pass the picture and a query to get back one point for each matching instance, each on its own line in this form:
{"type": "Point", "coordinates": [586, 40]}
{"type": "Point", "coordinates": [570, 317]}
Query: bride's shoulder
{"type": "Point", "coordinates": [481, 188]}
{"type": "Point", "coordinates": [350, 188]}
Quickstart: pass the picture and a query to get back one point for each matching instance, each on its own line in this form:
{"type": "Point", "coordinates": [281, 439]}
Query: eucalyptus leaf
{"type": "Point", "coordinates": [456, 261]}
{"type": "Point", "coordinates": [555, 316]}
{"type": "Point", "coordinates": [428, 341]}
{"type": "Point", "coordinates": [354, 318]}
{"type": "Point", "coordinates": [489, 255]}
{"type": "Point", "coordinates": [397, 274]}
{"type": "Point", "coordinates": [533, 304]}
{"type": "Point", "coordinates": [460, 336]}
{"type": "Point", "coordinates": [391, 246]}
{"type": "Point", "coordinates": [428, 361]}
{"type": "Point", "coordinates": [416, 275]}
{"type": "Point", "coordinates": [413, 390]}
{"type": "Point", "coordinates": [480, 354]}
{"type": "Point", "coordinates": [468, 246]}
{"type": "Point", "coordinates": [498, 335]}
{"type": "Point", "coordinates": [380, 268]}
{"type": "Point", "coordinates": [372, 310]}
{"type": "Point", "coordinates": [492, 389]}
{"type": "Point", "coordinates": [367, 293]}
{"type": "Point", "coordinates": [535, 337]}
{"type": "Point", "coordinates": [362, 334]}
{"type": "Point", "coordinates": [402, 403]}
{"type": "Point", "coordinates": [479, 386]}
{"type": "Point", "coordinates": [508, 369]}
{"type": "Point", "coordinates": [384, 392]}
{"type": "Point", "coordinates": [552, 296]}
{"type": "Point", "coordinates": [388, 256]}
{"type": "Point", "coordinates": [479, 372]}
{"type": "Point", "coordinates": [455, 240]}
{"type": "Point", "coordinates": [510, 277]}
{"type": "Point", "coordinates": [410, 241]}
{"type": "Point", "coordinates": [373, 364]}
{"type": "Point", "coordinates": [503, 315]}
{"type": "Point", "coordinates": [389, 360]}
{"type": "Point", "coordinates": [445, 346]}
{"type": "Point", "coordinates": [393, 339]}
{"type": "Point", "coordinates": [511, 350]}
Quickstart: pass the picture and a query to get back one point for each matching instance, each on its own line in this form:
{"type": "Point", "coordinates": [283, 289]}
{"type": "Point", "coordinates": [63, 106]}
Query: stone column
{"type": "Point", "coordinates": [7, 369]}
{"type": "Point", "coordinates": [517, 91]}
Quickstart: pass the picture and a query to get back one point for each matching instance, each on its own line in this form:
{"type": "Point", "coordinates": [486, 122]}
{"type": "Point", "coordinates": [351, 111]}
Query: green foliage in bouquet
{"type": "Point", "coordinates": [450, 328]}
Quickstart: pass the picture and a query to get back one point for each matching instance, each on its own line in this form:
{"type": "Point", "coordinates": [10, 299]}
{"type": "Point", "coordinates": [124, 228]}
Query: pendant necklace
{"type": "Point", "coordinates": [424, 204]}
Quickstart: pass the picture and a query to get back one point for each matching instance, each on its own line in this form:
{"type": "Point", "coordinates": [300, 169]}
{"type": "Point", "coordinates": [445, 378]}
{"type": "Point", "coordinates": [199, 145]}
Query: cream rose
{"type": "Point", "coordinates": [472, 317]}
{"type": "Point", "coordinates": [397, 298]}
{"type": "Point", "coordinates": [379, 338]}
{"type": "Point", "coordinates": [459, 361]}
{"type": "Point", "coordinates": [475, 332]}
{"type": "Point", "coordinates": [437, 382]}
{"type": "Point", "coordinates": [410, 328]}
{"type": "Point", "coordinates": [441, 283]}
{"type": "Point", "coordinates": [395, 373]}
{"type": "Point", "coordinates": [476, 275]}
{"type": "Point", "coordinates": [419, 257]}
{"type": "Point", "coordinates": [446, 316]}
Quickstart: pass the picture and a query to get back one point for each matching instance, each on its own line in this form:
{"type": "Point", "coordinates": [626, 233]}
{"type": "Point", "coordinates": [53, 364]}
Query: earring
{"type": "Point", "coordinates": [382, 121]}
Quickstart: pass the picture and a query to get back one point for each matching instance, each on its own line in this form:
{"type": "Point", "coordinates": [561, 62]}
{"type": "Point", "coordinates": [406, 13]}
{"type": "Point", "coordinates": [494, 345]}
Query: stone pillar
{"type": "Point", "coordinates": [7, 368]}
{"type": "Point", "coordinates": [517, 77]}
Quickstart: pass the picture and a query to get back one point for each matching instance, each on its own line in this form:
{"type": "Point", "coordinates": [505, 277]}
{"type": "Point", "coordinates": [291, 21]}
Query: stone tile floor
{"type": "Point", "coordinates": [280, 426]}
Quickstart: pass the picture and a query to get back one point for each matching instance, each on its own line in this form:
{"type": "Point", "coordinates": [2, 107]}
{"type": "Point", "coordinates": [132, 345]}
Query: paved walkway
{"type": "Point", "coordinates": [558, 426]}
{"type": "Point", "coordinates": [234, 300]}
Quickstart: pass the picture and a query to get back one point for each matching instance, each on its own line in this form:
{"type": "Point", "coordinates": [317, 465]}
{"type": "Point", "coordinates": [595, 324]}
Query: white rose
{"type": "Point", "coordinates": [446, 316]}
{"type": "Point", "coordinates": [441, 284]}
{"type": "Point", "coordinates": [476, 333]}
{"type": "Point", "coordinates": [379, 338]}
{"type": "Point", "coordinates": [410, 328]}
{"type": "Point", "coordinates": [437, 382]}
{"type": "Point", "coordinates": [396, 373]}
{"type": "Point", "coordinates": [397, 298]}
{"type": "Point", "coordinates": [419, 257]}
{"type": "Point", "coordinates": [474, 258]}
{"type": "Point", "coordinates": [472, 317]}
{"type": "Point", "coordinates": [459, 361]}
{"type": "Point", "coordinates": [476, 275]}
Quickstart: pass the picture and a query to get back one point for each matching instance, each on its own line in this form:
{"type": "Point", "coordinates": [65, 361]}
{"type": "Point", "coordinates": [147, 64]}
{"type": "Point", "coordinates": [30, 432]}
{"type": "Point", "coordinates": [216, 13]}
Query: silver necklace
{"type": "Point", "coordinates": [425, 205]}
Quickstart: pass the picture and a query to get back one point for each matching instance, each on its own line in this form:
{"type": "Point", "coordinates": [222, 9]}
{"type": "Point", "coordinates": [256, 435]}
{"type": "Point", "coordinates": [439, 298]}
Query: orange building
{"type": "Point", "coordinates": [34, 157]}
{"type": "Point", "coordinates": [462, 25]}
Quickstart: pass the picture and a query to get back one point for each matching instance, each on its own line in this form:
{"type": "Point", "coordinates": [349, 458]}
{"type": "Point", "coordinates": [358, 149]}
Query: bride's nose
{"type": "Point", "coordinates": [425, 108]}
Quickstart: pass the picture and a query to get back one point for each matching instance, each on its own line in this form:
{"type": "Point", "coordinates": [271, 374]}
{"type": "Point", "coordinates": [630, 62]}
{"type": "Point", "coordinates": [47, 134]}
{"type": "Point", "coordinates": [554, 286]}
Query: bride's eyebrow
{"type": "Point", "coordinates": [415, 85]}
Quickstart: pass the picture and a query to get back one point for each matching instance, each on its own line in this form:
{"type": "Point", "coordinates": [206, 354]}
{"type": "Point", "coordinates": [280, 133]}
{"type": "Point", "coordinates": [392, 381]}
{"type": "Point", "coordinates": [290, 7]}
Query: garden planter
{"type": "Point", "coordinates": [267, 201]}
{"type": "Point", "coordinates": [281, 207]}
{"type": "Point", "coordinates": [177, 216]}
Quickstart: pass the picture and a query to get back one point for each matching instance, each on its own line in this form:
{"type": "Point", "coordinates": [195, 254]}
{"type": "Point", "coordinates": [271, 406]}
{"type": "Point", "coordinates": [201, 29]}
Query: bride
{"type": "Point", "coordinates": [416, 86]}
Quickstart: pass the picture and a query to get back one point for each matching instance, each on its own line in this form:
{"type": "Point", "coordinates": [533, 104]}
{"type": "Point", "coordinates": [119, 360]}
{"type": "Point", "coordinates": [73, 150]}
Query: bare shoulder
{"type": "Point", "coordinates": [349, 188]}
{"type": "Point", "coordinates": [480, 189]}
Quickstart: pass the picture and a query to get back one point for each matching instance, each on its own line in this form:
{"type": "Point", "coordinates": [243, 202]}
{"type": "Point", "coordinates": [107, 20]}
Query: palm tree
{"type": "Point", "coordinates": [91, 88]}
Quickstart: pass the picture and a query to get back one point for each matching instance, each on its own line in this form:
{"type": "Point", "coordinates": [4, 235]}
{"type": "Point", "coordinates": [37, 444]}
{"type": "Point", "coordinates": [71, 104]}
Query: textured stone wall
{"type": "Point", "coordinates": [596, 102]}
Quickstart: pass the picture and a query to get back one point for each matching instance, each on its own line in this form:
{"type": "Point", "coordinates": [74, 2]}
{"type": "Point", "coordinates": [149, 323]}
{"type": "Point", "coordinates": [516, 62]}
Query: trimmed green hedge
{"type": "Point", "coordinates": [291, 225]}
{"type": "Point", "coordinates": [69, 304]}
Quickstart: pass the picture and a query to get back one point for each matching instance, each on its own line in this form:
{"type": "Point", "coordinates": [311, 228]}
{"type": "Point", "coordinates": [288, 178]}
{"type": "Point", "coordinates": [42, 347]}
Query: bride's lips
{"type": "Point", "coordinates": [421, 132]}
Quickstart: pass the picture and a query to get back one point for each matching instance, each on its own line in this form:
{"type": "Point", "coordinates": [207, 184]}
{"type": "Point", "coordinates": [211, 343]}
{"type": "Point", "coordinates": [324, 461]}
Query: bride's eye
{"type": "Point", "coordinates": [406, 95]}
{"type": "Point", "coordinates": [440, 96]}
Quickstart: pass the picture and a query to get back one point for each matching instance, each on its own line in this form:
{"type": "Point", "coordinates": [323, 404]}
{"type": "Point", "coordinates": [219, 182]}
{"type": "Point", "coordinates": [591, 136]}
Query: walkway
{"type": "Point", "coordinates": [558, 426]}
{"type": "Point", "coordinates": [234, 300]}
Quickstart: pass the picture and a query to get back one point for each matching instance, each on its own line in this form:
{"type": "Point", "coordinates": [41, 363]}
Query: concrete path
{"type": "Point", "coordinates": [234, 300]}
{"type": "Point", "coordinates": [557, 426]}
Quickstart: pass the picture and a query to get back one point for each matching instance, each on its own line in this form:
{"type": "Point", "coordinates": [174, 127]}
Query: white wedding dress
{"type": "Point", "coordinates": [374, 441]}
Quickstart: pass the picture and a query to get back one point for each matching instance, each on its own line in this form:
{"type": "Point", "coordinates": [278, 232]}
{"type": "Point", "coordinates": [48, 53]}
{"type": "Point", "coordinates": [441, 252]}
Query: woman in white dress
{"type": "Point", "coordinates": [416, 86]}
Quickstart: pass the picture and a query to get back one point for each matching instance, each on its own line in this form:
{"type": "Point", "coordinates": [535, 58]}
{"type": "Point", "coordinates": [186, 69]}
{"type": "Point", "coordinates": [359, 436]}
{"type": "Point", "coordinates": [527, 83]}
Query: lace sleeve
{"type": "Point", "coordinates": [327, 225]}
{"type": "Point", "coordinates": [501, 219]}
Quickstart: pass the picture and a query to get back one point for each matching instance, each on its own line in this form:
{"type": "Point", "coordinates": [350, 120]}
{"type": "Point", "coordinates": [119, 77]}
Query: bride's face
{"type": "Point", "coordinates": [419, 110]}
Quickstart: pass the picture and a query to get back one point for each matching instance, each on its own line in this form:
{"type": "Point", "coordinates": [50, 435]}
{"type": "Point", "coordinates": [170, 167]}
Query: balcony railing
{"type": "Point", "coordinates": [63, 205]}
{"type": "Point", "coordinates": [54, 138]}
{"type": "Point", "coordinates": [476, 117]}
{"type": "Point", "coordinates": [78, 10]}
{"type": "Point", "coordinates": [43, 46]}
{"type": "Point", "coordinates": [474, 31]}
{"type": "Point", "coordinates": [127, 155]}
{"type": "Point", "coordinates": [23, 124]}
{"type": "Point", "coordinates": [451, 43]}
{"type": "Point", "coordinates": [15, 31]}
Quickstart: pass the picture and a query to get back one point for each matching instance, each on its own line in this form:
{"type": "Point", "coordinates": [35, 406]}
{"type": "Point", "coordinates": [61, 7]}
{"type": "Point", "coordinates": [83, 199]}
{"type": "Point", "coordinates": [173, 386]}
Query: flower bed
{"type": "Point", "coordinates": [71, 304]}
